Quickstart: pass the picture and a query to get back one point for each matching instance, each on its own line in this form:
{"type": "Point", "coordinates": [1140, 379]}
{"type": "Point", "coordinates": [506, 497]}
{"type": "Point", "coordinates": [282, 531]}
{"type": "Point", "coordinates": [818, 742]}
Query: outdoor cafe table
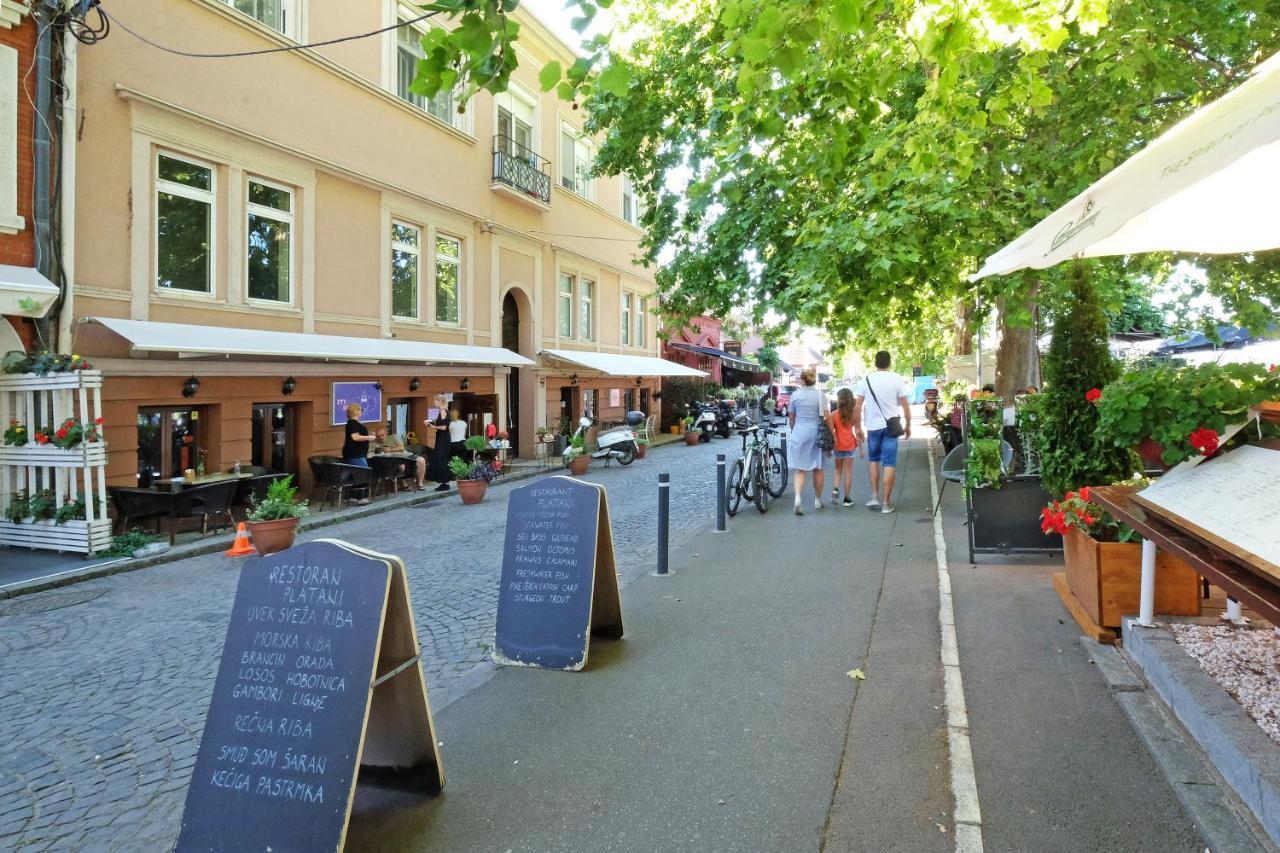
{"type": "Point", "coordinates": [1219, 567]}
{"type": "Point", "coordinates": [168, 485]}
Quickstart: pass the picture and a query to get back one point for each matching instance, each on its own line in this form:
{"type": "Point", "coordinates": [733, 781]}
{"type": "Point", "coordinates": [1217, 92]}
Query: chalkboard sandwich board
{"type": "Point", "coordinates": [320, 683]}
{"type": "Point", "coordinates": [559, 581]}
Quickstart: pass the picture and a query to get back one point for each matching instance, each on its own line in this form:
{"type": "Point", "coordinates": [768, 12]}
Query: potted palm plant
{"type": "Point", "coordinates": [273, 521]}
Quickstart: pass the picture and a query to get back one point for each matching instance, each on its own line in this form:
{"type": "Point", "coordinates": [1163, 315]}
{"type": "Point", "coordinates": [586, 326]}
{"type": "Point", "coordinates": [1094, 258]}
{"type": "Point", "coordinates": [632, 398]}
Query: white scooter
{"type": "Point", "coordinates": [618, 443]}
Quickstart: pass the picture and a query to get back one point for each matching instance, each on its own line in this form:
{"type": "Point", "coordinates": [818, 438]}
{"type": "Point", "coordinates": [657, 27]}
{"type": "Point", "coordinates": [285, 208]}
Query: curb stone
{"type": "Point", "coordinates": [1222, 819]}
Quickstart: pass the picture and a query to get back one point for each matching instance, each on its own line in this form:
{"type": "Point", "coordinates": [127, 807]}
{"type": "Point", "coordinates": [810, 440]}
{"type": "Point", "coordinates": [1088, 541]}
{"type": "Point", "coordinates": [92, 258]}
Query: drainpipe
{"type": "Point", "coordinates": [67, 184]}
{"type": "Point", "coordinates": [46, 260]}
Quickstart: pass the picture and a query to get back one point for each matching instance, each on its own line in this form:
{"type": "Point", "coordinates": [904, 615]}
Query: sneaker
{"type": "Point", "coordinates": [835, 494]}
{"type": "Point", "coordinates": [818, 504]}
{"type": "Point", "coordinates": [443, 487]}
{"type": "Point", "coordinates": [887, 508]}
{"type": "Point", "coordinates": [873, 504]}
{"type": "Point", "coordinates": [848, 502]}
{"type": "Point", "coordinates": [799, 511]}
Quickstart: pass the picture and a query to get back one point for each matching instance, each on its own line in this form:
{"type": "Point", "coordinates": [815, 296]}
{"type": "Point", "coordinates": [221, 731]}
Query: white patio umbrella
{"type": "Point", "coordinates": [1209, 185]}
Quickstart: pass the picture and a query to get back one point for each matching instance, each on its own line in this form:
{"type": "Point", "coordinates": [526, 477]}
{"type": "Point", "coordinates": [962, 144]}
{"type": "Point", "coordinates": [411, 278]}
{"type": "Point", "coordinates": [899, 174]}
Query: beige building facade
{"type": "Point", "coordinates": [310, 192]}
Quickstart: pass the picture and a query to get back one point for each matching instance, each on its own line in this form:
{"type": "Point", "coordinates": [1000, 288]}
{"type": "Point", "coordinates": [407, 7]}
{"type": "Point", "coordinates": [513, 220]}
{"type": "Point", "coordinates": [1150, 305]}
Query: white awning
{"type": "Point", "coordinates": [1207, 185]}
{"type": "Point", "coordinates": [24, 292]}
{"type": "Point", "coordinates": [612, 364]}
{"type": "Point", "coordinates": [219, 341]}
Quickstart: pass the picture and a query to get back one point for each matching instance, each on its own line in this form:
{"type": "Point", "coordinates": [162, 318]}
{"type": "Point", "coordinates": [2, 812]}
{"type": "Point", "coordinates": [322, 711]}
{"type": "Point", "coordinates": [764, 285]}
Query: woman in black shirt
{"type": "Point", "coordinates": [355, 449]}
{"type": "Point", "coordinates": [438, 462]}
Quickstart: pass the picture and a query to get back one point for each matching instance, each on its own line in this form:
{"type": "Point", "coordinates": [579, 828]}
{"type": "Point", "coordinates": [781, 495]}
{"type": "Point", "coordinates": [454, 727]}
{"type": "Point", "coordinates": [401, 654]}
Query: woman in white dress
{"type": "Point", "coordinates": [804, 413]}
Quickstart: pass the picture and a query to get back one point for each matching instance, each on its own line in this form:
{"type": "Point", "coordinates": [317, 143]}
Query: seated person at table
{"type": "Point", "coordinates": [384, 444]}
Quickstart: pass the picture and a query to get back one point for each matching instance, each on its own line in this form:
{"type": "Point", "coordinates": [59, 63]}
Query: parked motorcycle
{"type": "Point", "coordinates": [618, 443]}
{"type": "Point", "coordinates": [704, 419]}
{"type": "Point", "coordinates": [724, 418]}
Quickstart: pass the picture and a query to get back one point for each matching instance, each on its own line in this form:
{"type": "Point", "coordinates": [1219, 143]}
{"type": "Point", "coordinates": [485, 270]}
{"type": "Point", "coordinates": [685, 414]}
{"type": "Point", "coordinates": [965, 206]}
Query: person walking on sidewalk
{"type": "Point", "coordinates": [876, 420]}
{"type": "Point", "coordinates": [841, 423]}
{"type": "Point", "coordinates": [805, 411]}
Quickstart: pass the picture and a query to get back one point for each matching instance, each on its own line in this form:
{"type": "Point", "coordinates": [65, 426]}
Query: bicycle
{"type": "Point", "coordinates": [759, 474]}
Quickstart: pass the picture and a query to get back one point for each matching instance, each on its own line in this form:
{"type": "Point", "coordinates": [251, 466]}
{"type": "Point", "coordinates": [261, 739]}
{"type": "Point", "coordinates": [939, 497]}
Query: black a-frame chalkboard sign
{"type": "Point", "coordinates": [320, 683]}
{"type": "Point", "coordinates": [559, 577]}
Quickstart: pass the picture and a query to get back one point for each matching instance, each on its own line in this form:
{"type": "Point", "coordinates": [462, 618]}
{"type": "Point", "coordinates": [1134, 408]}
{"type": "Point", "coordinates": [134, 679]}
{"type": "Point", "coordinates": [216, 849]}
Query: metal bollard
{"type": "Point", "coordinates": [664, 520]}
{"type": "Point", "coordinates": [720, 493]}
{"type": "Point", "coordinates": [784, 444]}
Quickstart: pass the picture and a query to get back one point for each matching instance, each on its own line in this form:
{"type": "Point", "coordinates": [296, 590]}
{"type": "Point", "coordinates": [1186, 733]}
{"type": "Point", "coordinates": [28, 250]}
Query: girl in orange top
{"type": "Point", "coordinates": [841, 423]}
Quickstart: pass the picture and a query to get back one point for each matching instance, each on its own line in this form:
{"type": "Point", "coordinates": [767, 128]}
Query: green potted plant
{"type": "Point", "coordinates": [642, 447]}
{"type": "Point", "coordinates": [273, 521]}
{"type": "Point", "coordinates": [577, 457]}
{"type": "Point", "coordinates": [1168, 413]}
{"type": "Point", "coordinates": [473, 478]}
{"type": "Point", "coordinates": [690, 437]}
{"type": "Point", "coordinates": [1104, 566]}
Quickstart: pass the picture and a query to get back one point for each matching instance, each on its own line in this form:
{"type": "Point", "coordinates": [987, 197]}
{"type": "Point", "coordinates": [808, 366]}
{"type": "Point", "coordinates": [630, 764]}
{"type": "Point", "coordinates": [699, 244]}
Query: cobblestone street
{"type": "Point", "coordinates": [104, 685]}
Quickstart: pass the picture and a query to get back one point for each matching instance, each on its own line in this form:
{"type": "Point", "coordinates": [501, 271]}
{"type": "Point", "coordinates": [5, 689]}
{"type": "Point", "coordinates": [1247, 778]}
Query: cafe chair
{"type": "Point", "coordinates": [953, 466]}
{"type": "Point", "coordinates": [134, 505]}
{"type": "Point", "coordinates": [318, 481]}
{"type": "Point", "coordinates": [343, 480]}
{"type": "Point", "coordinates": [211, 500]}
{"type": "Point", "coordinates": [251, 490]}
{"type": "Point", "coordinates": [390, 470]}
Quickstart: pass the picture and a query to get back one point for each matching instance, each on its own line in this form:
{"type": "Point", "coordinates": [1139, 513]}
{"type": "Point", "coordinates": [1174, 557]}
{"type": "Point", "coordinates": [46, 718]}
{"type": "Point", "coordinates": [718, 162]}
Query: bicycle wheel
{"type": "Point", "coordinates": [760, 481]}
{"type": "Point", "coordinates": [733, 488]}
{"type": "Point", "coordinates": [777, 465]}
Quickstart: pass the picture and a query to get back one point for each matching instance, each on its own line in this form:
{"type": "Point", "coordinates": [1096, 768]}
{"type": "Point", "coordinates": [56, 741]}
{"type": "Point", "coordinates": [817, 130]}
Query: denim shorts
{"type": "Point", "coordinates": [845, 454]}
{"type": "Point", "coordinates": [882, 448]}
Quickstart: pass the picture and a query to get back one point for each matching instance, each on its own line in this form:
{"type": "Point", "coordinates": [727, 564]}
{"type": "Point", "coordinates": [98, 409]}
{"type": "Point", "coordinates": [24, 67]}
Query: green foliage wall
{"type": "Point", "coordinates": [678, 393]}
{"type": "Point", "coordinates": [1072, 450]}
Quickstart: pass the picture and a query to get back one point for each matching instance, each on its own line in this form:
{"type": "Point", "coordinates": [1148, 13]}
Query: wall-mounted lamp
{"type": "Point", "coordinates": [573, 380]}
{"type": "Point", "coordinates": [190, 387]}
{"type": "Point", "coordinates": [414, 383]}
{"type": "Point", "coordinates": [288, 386]}
{"type": "Point", "coordinates": [378, 385]}
{"type": "Point", "coordinates": [465, 384]}
{"type": "Point", "coordinates": [639, 381]}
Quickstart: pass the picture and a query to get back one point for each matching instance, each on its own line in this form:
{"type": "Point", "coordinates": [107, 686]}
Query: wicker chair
{"type": "Point", "coordinates": [133, 505]}
{"type": "Point", "coordinates": [204, 502]}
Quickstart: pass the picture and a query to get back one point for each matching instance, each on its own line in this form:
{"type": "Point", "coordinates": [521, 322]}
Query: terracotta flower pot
{"type": "Point", "coordinates": [641, 450]}
{"type": "Point", "coordinates": [472, 491]}
{"type": "Point", "coordinates": [1150, 451]}
{"type": "Point", "coordinates": [691, 438]}
{"type": "Point", "coordinates": [1105, 577]}
{"type": "Point", "coordinates": [578, 465]}
{"type": "Point", "coordinates": [270, 537]}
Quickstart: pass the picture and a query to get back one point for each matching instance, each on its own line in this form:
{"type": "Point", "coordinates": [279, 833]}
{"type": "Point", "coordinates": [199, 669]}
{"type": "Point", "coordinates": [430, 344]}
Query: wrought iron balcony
{"type": "Point", "coordinates": [520, 169]}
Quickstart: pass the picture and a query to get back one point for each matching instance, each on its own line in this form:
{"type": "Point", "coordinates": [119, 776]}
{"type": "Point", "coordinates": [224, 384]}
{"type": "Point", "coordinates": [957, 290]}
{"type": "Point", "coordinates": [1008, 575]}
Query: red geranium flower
{"type": "Point", "coordinates": [1093, 395]}
{"type": "Point", "coordinates": [1084, 493]}
{"type": "Point", "coordinates": [41, 438]}
{"type": "Point", "coordinates": [98, 421]}
{"type": "Point", "coordinates": [1205, 440]}
{"type": "Point", "coordinates": [62, 433]}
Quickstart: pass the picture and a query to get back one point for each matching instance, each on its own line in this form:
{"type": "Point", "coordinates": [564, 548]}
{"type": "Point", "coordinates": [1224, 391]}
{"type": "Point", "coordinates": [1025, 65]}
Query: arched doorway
{"type": "Point", "coordinates": [517, 336]}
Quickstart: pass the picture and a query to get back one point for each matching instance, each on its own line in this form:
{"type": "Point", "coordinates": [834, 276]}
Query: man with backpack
{"type": "Point", "coordinates": [878, 396]}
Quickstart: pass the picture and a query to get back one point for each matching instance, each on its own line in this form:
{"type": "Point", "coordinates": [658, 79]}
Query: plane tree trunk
{"type": "Point", "coordinates": [1018, 358]}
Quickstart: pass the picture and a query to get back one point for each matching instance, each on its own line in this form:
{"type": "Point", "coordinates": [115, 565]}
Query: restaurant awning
{"type": "Point", "coordinates": [1207, 185]}
{"type": "Point", "coordinates": [24, 292]}
{"type": "Point", "coordinates": [728, 359]}
{"type": "Point", "coordinates": [187, 341]}
{"type": "Point", "coordinates": [612, 364]}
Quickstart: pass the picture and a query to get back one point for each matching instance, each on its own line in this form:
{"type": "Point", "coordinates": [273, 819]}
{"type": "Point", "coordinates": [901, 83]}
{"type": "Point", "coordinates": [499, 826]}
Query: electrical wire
{"type": "Point", "coordinates": [113, 19]}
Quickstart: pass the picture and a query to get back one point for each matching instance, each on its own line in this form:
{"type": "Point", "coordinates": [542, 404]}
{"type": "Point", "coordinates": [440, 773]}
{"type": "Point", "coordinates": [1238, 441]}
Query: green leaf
{"type": "Point", "coordinates": [756, 50]}
{"type": "Point", "coordinates": [847, 15]}
{"type": "Point", "coordinates": [615, 78]}
{"type": "Point", "coordinates": [549, 76]}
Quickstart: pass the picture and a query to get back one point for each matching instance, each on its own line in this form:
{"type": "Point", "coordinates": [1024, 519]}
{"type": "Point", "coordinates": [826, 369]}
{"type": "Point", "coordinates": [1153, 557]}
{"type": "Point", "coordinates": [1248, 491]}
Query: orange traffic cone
{"type": "Point", "coordinates": [241, 547]}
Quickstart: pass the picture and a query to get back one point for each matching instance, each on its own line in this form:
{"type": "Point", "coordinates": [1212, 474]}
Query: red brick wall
{"type": "Point", "coordinates": [20, 249]}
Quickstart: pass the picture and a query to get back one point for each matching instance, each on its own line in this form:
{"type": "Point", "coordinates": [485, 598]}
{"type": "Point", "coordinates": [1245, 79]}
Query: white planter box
{"type": "Point", "coordinates": [75, 536]}
{"type": "Point", "coordinates": [48, 456]}
{"type": "Point", "coordinates": [53, 382]}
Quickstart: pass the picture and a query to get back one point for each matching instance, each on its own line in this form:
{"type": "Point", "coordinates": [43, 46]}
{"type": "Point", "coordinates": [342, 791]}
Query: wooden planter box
{"type": "Point", "coordinates": [76, 536]}
{"type": "Point", "coordinates": [1105, 579]}
{"type": "Point", "coordinates": [48, 456]}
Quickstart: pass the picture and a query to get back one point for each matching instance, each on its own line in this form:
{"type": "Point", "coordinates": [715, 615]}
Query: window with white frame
{"type": "Point", "coordinates": [642, 322]}
{"type": "Point", "coordinates": [185, 195]}
{"type": "Point", "coordinates": [586, 317]}
{"type": "Point", "coordinates": [515, 123]}
{"type": "Point", "coordinates": [575, 163]}
{"type": "Point", "coordinates": [448, 278]}
{"type": "Point", "coordinates": [279, 15]}
{"type": "Point", "coordinates": [270, 242]}
{"type": "Point", "coordinates": [630, 210]}
{"type": "Point", "coordinates": [408, 51]}
{"type": "Point", "coordinates": [10, 221]}
{"type": "Point", "coordinates": [626, 318]}
{"type": "Point", "coordinates": [406, 242]}
{"type": "Point", "coordinates": [564, 306]}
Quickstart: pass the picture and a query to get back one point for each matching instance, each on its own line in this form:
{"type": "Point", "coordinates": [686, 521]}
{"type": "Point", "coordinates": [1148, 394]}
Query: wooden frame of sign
{"type": "Point", "coordinates": [320, 685]}
{"type": "Point", "coordinates": [559, 582]}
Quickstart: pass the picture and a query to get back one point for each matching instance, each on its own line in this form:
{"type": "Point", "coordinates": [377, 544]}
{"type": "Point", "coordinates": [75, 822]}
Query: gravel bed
{"type": "Point", "coordinates": [1245, 661]}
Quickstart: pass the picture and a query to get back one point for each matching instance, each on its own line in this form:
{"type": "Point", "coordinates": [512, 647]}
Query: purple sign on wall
{"type": "Point", "coordinates": [367, 394]}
